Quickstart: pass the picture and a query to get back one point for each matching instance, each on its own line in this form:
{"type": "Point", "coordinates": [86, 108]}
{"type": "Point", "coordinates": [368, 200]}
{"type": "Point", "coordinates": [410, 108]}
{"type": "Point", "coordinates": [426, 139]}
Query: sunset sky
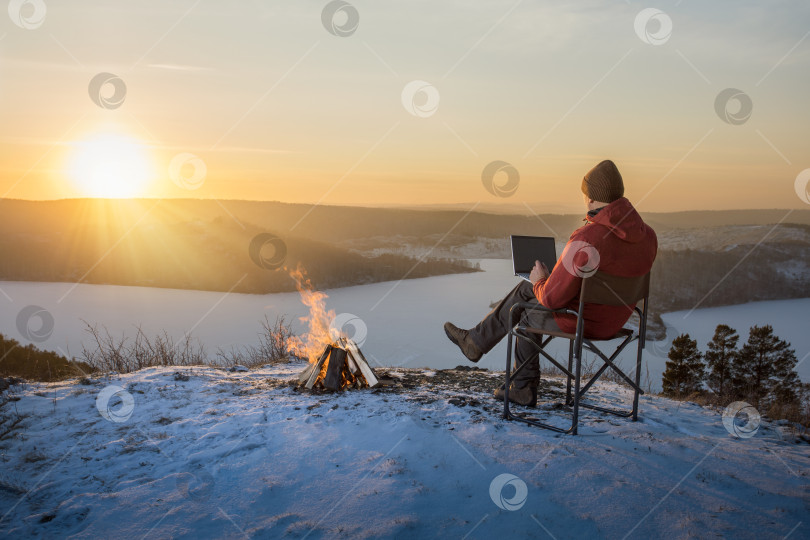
{"type": "Point", "coordinates": [279, 108]}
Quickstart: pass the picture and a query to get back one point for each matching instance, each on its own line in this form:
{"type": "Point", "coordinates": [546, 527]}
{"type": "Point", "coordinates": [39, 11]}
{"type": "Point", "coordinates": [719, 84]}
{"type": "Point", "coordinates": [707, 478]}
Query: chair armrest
{"type": "Point", "coordinates": [537, 307]}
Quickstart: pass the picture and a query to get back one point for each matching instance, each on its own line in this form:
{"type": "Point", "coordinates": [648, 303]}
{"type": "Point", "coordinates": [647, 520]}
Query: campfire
{"type": "Point", "coordinates": [340, 366]}
{"type": "Point", "coordinates": [335, 361]}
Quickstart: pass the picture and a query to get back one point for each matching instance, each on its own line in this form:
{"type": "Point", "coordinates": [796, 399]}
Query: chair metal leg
{"type": "Point", "coordinates": [507, 413]}
{"type": "Point", "coordinates": [608, 362]}
{"type": "Point", "coordinates": [633, 384]}
{"type": "Point", "coordinates": [568, 375]}
{"type": "Point", "coordinates": [638, 380]}
{"type": "Point", "coordinates": [642, 341]}
{"type": "Point", "coordinates": [577, 378]}
{"type": "Point", "coordinates": [573, 371]}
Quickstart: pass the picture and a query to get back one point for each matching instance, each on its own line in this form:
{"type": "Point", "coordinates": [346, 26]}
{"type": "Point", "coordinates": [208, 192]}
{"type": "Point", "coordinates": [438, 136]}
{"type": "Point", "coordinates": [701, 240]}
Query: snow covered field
{"type": "Point", "coordinates": [399, 322]}
{"type": "Point", "coordinates": [212, 454]}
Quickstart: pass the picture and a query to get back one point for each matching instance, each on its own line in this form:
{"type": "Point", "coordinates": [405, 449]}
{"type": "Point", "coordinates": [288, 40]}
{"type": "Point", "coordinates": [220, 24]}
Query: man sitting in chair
{"type": "Point", "coordinates": [614, 238]}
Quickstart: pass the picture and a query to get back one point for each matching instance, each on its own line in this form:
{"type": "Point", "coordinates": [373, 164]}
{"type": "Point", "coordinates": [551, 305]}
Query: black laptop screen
{"type": "Point", "coordinates": [527, 249]}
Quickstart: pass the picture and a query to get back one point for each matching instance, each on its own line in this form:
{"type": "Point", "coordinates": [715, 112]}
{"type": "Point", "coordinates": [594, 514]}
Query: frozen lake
{"type": "Point", "coordinates": [403, 320]}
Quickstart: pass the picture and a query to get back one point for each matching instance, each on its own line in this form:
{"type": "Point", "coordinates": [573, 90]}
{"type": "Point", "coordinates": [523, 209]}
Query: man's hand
{"type": "Point", "coordinates": [540, 271]}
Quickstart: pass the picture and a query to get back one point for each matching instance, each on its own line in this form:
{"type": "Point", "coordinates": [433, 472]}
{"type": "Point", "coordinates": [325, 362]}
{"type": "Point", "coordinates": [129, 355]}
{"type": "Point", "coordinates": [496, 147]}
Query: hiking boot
{"type": "Point", "coordinates": [464, 341]}
{"type": "Point", "coordinates": [526, 396]}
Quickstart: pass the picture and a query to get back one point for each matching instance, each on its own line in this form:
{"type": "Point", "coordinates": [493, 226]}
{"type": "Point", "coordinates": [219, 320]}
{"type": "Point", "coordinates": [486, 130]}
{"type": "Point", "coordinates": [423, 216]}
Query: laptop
{"type": "Point", "coordinates": [527, 249]}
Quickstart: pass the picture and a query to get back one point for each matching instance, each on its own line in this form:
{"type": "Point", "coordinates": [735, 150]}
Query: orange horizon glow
{"type": "Point", "coordinates": [551, 90]}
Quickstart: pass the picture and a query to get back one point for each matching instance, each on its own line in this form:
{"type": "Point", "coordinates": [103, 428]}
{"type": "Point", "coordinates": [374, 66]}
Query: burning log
{"type": "Point", "coordinates": [333, 380]}
{"type": "Point", "coordinates": [361, 363]}
{"type": "Point", "coordinates": [340, 366]}
{"type": "Point", "coordinates": [336, 362]}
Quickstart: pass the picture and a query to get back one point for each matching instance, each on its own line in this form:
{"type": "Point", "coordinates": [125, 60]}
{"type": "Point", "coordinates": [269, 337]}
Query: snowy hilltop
{"type": "Point", "coordinates": [207, 453]}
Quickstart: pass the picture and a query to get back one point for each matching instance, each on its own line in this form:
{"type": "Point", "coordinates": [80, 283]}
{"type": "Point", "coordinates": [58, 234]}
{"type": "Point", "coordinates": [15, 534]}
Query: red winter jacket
{"type": "Point", "coordinates": [617, 242]}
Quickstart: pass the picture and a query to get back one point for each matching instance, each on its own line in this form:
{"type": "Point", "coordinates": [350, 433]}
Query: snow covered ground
{"type": "Point", "coordinates": [400, 322]}
{"type": "Point", "coordinates": [211, 454]}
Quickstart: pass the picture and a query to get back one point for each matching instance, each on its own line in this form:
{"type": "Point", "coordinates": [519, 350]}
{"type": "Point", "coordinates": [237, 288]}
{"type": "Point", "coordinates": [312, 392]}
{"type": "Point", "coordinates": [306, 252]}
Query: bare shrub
{"type": "Point", "coordinates": [273, 347]}
{"type": "Point", "coordinates": [796, 412]}
{"type": "Point", "coordinates": [124, 355]}
{"type": "Point", "coordinates": [10, 417]}
{"type": "Point", "coordinates": [274, 342]}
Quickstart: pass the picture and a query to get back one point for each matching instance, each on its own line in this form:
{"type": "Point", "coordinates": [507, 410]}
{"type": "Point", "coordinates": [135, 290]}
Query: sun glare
{"type": "Point", "coordinates": [110, 166]}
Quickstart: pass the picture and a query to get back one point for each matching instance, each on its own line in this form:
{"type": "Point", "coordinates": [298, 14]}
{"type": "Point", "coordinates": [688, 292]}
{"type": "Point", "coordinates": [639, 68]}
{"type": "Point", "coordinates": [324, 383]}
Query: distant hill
{"type": "Point", "coordinates": [342, 223]}
{"type": "Point", "coordinates": [204, 244]}
{"type": "Point", "coordinates": [185, 246]}
{"type": "Point", "coordinates": [720, 218]}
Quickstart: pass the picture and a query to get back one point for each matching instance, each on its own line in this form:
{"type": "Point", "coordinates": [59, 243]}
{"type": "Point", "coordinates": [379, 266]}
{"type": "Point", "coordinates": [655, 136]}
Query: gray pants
{"type": "Point", "coordinates": [495, 326]}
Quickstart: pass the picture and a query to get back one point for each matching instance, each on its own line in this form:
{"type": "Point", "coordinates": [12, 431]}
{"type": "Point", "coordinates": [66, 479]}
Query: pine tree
{"type": "Point", "coordinates": [684, 372]}
{"type": "Point", "coordinates": [763, 369]}
{"type": "Point", "coordinates": [720, 359]}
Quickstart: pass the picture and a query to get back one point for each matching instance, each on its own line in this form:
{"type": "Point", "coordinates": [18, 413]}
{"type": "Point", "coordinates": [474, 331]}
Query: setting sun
{"type": "Point", "coordinates": [110, 166]}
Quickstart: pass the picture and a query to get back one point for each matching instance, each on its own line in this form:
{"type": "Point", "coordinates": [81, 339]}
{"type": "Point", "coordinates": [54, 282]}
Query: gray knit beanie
{"type": "Point", "coordinates": [603, 183]}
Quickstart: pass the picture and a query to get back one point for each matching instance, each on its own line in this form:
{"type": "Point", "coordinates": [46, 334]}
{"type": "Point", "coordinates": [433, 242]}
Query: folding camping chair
{"type": "Point", "coordinates": [600, 288]}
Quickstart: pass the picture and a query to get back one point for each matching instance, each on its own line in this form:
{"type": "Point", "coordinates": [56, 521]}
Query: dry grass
{"type": "Point", "coordinates": [273, 348]}
{"type": "Point", "coordinates": [108, 353]}
{"type": "Point", "coordinates": [797, 413]}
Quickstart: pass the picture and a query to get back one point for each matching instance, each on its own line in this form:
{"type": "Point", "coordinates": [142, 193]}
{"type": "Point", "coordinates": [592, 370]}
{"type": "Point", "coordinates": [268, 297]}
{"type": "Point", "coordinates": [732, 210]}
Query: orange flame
{"type": "Point", "coordinates": [319, 320]}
